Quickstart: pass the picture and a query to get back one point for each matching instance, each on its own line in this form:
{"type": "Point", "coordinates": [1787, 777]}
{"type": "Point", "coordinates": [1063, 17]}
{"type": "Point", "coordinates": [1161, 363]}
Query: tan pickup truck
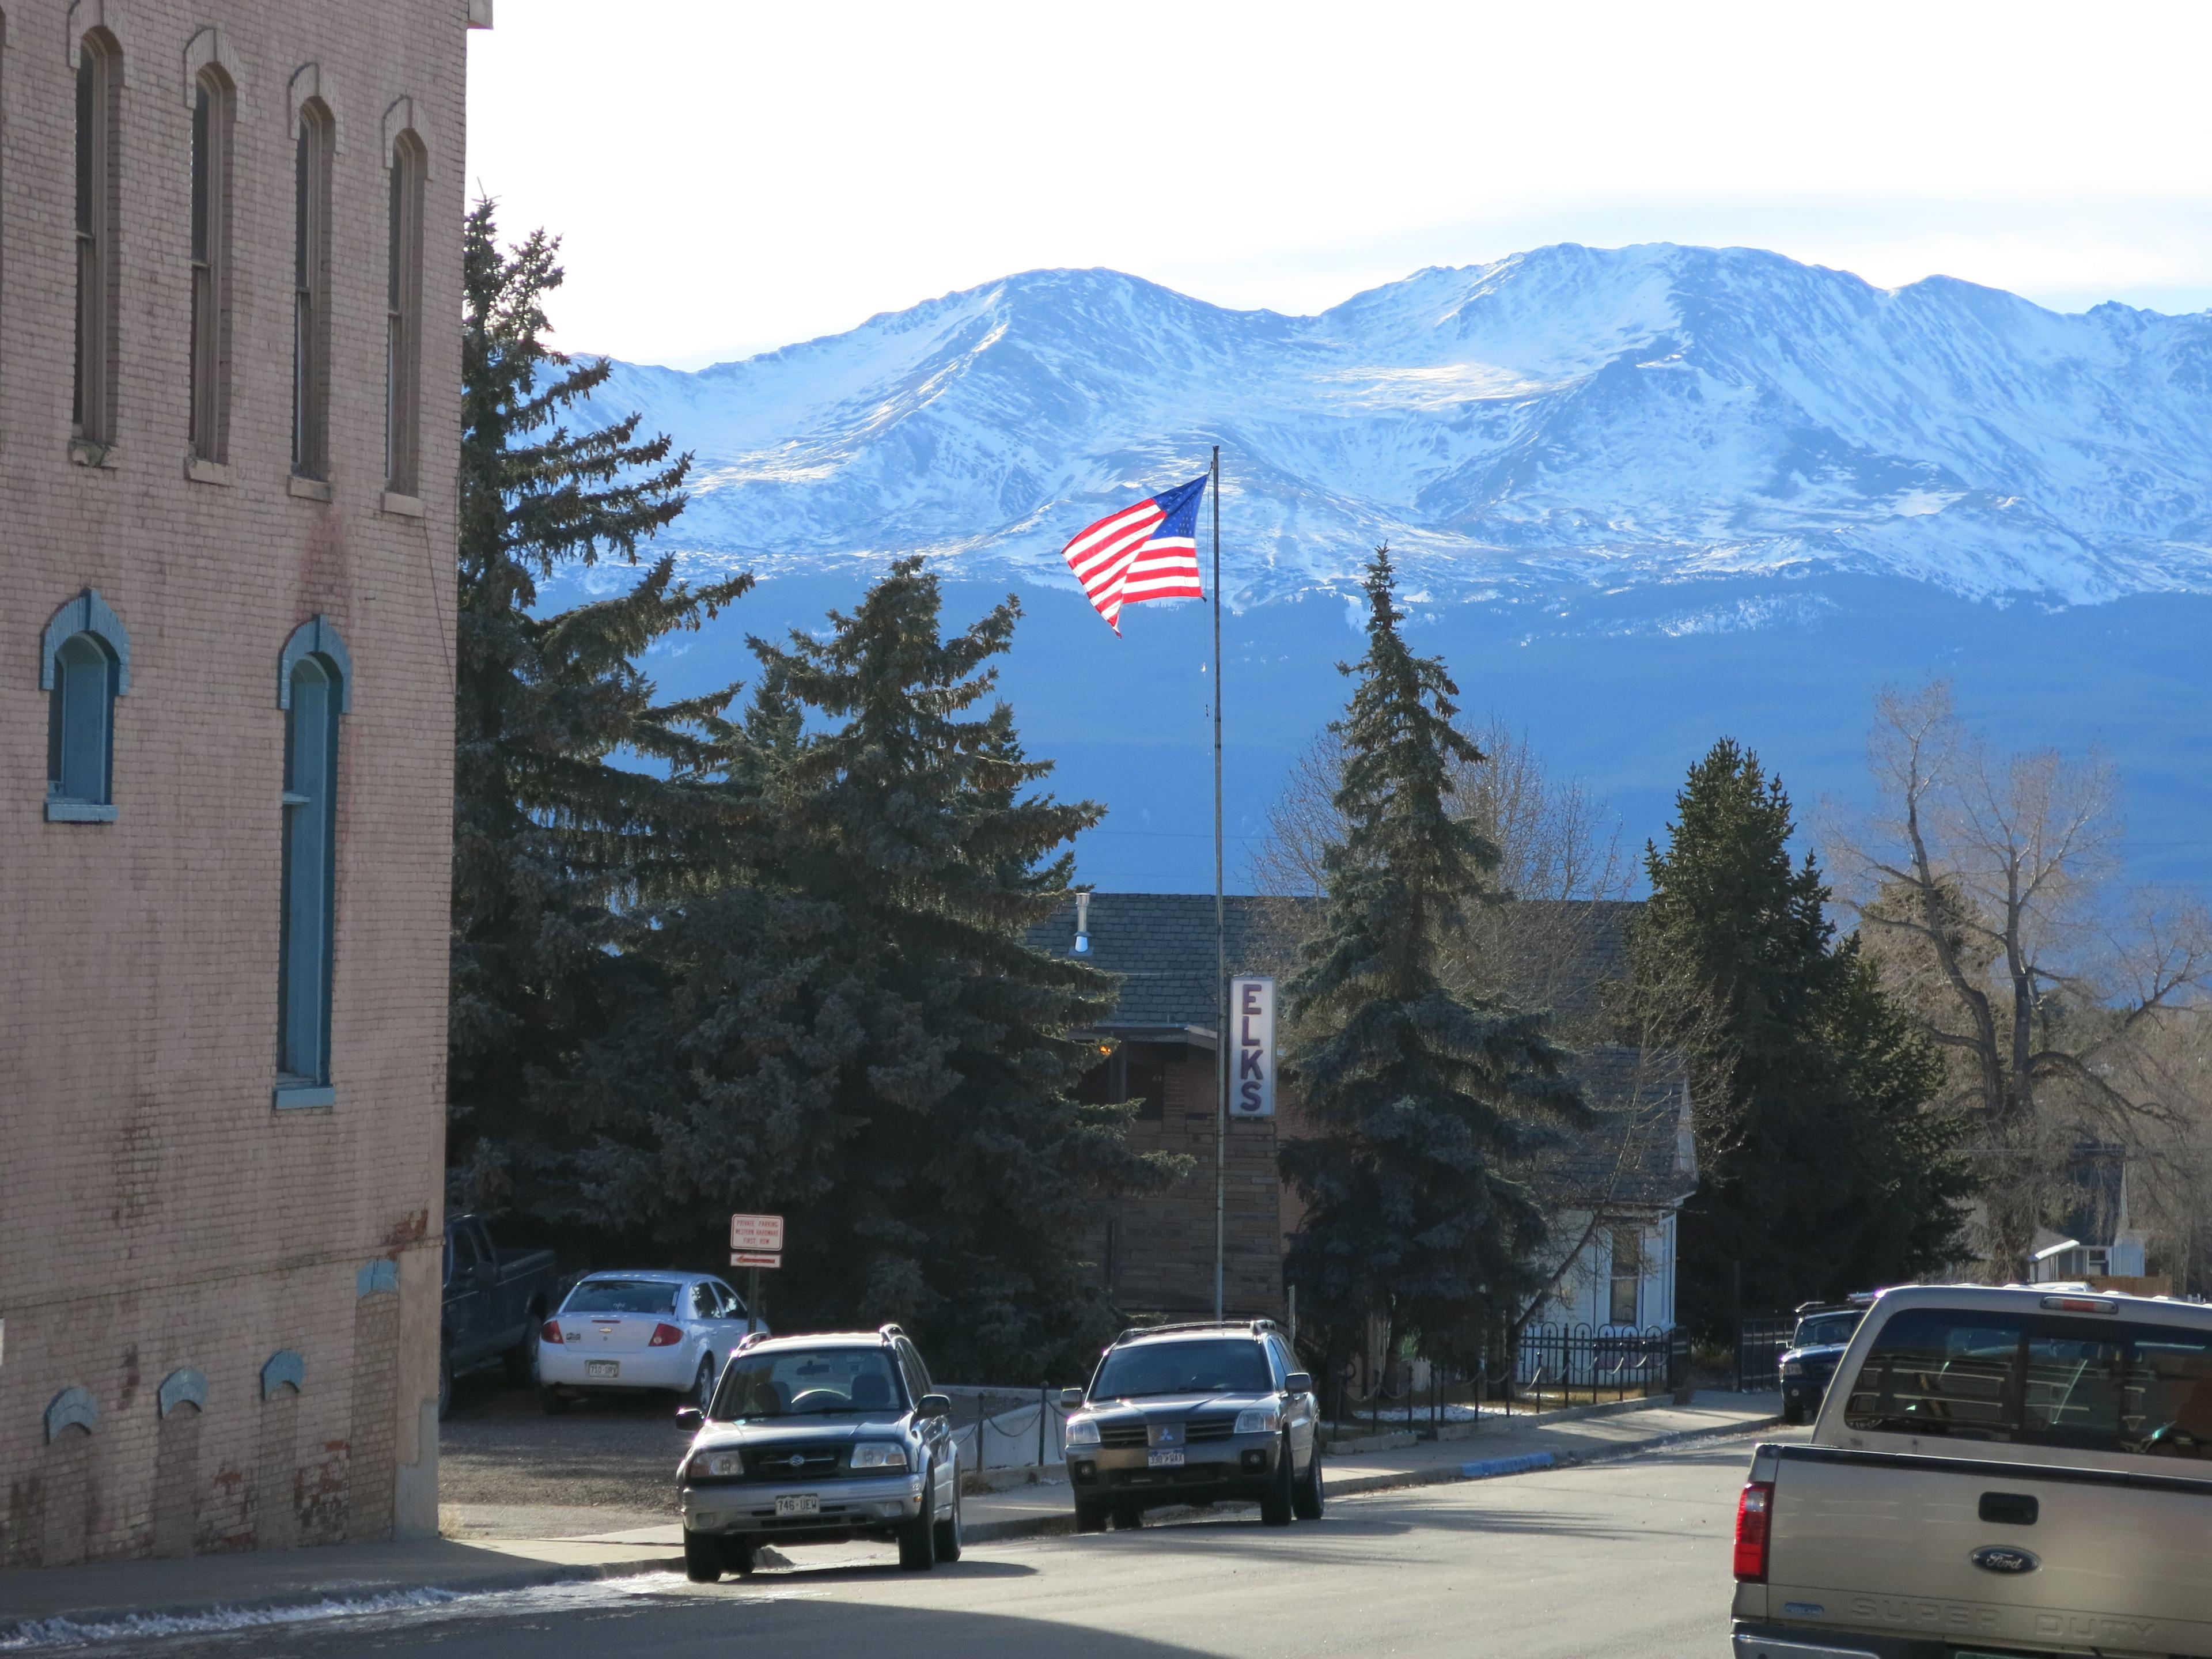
{"type": "Point", "coordinates": [1993, 1473]}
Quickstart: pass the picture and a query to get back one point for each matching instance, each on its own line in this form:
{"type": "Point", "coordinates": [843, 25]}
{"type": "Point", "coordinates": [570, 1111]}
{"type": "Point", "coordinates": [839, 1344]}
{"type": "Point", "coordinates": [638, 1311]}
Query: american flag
{"type": "Point", "coordinates": [1148, 551]}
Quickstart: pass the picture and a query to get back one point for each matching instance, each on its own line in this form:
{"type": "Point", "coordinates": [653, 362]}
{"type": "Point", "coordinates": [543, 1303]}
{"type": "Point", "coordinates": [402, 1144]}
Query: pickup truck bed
{"type": "Point", "coordinates": [2030, 1483]}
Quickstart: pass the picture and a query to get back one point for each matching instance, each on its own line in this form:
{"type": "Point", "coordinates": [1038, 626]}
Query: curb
{"type": "Point", "coordinates": [19, 1628]}
{"type": "Point", "coordinates": [29, 1626]}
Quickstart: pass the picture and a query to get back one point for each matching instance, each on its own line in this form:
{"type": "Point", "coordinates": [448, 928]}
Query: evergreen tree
{"type": "Point", "coordinates": [857, 1036]}
{"type": "Point", "coordinates": [1425, 1099]}
{"type": "Point", "coordinates": [556, 845]}
{"type": "Point", "coordinates": [1820, 1173]}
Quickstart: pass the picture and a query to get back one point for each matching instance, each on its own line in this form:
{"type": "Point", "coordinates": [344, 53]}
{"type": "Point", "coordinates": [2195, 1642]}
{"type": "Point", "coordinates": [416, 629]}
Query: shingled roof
{"type": "Point", "coordinates": [1558, 953]}
{"type": "Point", "coordinates": [1641, 1150]}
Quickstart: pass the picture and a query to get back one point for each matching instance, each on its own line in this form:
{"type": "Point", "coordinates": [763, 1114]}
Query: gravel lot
{"type": "Point", "coordinates": [608, 1464]}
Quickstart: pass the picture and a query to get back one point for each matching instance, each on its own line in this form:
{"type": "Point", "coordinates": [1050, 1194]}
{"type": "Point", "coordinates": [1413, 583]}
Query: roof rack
{"type": "Point", "coordinates": [1255, 1327]}
{"type": "Point", "coordinates": [887, 1331]}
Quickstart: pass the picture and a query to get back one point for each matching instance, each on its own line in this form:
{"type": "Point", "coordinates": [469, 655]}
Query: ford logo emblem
{"type": "Point", "coordinates": [799, 1462]}
{"type": "Point", "coordinates": [2003, 1557]}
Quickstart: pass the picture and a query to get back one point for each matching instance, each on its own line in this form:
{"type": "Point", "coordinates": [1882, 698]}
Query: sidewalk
{"type": "Point", "coordinates": [501, 1546]}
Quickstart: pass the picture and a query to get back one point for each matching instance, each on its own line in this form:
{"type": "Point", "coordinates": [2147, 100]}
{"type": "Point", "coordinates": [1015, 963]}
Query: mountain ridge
{"type": "Point", "coordinates": [1567, 417]}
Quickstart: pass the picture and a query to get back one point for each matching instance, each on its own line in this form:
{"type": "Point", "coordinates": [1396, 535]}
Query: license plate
{"type": "Point", "coordinates": [1163, 1460]}
{"type": "Point", "coordinates": [804, 1503]}
{"type": "Point", "coordinates": [603, 1368]}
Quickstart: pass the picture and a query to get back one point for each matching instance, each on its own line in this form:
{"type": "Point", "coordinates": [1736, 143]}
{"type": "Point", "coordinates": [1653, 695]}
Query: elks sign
{"type": "Point", "coordinates": [1252, 1048]}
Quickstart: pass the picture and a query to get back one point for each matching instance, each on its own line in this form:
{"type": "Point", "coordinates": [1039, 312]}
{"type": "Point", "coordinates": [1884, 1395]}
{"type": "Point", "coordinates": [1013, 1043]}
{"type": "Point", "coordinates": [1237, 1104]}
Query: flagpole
{"type": "Point", "coordinates": [1220, 936]}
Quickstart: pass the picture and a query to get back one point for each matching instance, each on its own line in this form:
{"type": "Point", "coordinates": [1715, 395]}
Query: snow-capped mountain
{"type": "Point", "coordinates": [1569, 416]}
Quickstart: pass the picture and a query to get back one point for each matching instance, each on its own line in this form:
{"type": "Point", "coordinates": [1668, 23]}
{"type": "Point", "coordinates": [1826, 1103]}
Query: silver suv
{"type": "Point", "coordinates": [820, 1440]}
{"type": "Point", "coordinates": [1194, 1414]}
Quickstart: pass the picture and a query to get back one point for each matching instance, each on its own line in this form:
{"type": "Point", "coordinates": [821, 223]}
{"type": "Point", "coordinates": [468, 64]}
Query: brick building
{"type": "Point", "coordinates": [229, 262]}
{"type": "Point", "coordinates": [1613, 1191]}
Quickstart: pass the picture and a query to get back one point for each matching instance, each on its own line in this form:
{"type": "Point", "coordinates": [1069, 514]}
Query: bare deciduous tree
{"type": "Point", "coordinates": [1557, 840]}
{"type": "Point", "coordinates": [1984, 887]}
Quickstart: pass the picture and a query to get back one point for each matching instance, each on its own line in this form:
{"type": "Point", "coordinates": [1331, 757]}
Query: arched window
{"type": "Point", "coordinates": [403, 316]}
{"type": "Point", "coordinates": [311, 277]}
{"type": "Point", "coordinates": [212, 114]}
{"type": "Point", "coordinates": [313, 690]}
{"type": "Point", "coordinates": [84, 667]}
{"type": "Point", "coordinates": [98, 85]}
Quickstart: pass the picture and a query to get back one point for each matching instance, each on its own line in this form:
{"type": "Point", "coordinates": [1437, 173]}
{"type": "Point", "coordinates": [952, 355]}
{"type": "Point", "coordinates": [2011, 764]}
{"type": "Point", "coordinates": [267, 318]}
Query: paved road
{"type": "Point", "coordinates": [1627, 1560]}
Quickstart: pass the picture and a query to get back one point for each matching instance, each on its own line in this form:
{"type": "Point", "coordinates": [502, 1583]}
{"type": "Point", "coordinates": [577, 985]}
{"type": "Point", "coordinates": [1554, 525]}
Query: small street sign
{"type": "Point", "coordinates": [755, 1233]}
{"type": "Point", "coordinates": [756, 1258]}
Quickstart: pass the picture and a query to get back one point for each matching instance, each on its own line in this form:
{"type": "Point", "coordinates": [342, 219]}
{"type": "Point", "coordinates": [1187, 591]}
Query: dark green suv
{"type": "Point", "coordinates": [1194, 1414]}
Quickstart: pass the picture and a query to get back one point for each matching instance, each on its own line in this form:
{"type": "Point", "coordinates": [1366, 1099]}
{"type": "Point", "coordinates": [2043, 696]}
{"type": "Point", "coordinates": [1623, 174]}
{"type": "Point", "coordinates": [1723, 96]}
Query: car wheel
{"type": "Point", "coordinates": [1306, 1496]}
{"type": "Point", "coordinates": [702, 1386]}
{"type": "Point", "coordinates": [552, 1401]}
{"type": "Point", "coordinates": [1793, 1412]}
{"type": "Point", "coordinates": [703, 1558]}
{"type": "Point", "coordinates": [948, 1530]}
{"type": "Point", "coordinates": [445, 1380]}
{"type": "Point", "coordinates": [1091, 1517]}
{"type": "Point", "coordinates": [1275, 1508]}
{"type": "Point", "coordinates": [739, 1557]}
{"type": "Point", "coordinates": [917, 1539]}
{"type": "Point", "coordinates": [1127, 1517]}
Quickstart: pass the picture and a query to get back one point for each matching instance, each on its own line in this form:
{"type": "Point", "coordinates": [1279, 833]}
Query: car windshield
{"type": "Point", "coordinates": [1824, 1330]}
{"type": "Point", "coordinates": [1219, 1365]}
{"type": "Point", "coordinates": [806, 1382]}
{"type": "Point", "coordinates": [637, 1296]}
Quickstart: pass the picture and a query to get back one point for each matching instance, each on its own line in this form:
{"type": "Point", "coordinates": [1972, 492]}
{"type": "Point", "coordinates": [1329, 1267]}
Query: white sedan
{"type": "Point", "coordinates": [621, 1333]}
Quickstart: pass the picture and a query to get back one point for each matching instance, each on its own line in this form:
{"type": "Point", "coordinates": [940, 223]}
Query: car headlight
{"type": "Point", "coordinates": [718, 1463]}
{"type": "Point", "coordinates": [1260, 1420]}
{"type": "Point", "coordinates": [1082, 1432]}
{"type": "Point", "coordinates": [1793, 1368]}
{"type": "Point", "coordinates": [878, 1455]}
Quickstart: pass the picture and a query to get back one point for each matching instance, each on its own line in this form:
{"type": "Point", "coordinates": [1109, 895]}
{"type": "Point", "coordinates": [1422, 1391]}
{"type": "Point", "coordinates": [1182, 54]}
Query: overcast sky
{"type": "Point", "coordinates": [729, 177]}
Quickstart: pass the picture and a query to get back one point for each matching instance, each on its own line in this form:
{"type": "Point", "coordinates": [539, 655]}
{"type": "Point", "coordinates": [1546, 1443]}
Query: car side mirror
{"type": "Point", "coordinates": [689, 1416]}
{"type": "Point", "coordinates": [934, 1405]}
{"type": "Point", "coordinates": [484, 1276]}
{"type": "Point", "coordinates": [1298, 1382]}
{"type": "Point", "coordinates": [1071, 1398]}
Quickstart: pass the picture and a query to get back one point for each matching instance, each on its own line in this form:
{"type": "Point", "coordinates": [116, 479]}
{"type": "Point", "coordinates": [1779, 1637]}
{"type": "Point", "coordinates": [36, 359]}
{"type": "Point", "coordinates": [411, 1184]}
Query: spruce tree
{"type": "Point", "coordinates": [1820, 1170]}
{"type": "Point", "coordinates": [1425, 1100]}
{"type": "Point", "coordinates": [857, 1034]}
{"type": "Point", "coordinates": [556, 847]}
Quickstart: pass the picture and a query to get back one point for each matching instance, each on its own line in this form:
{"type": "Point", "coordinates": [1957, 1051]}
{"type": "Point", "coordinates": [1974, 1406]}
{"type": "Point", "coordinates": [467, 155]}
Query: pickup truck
{"type": "Point", "coordinates": [494, 1302]}
{"type": "Point", "coordinates": [1994, 1473]}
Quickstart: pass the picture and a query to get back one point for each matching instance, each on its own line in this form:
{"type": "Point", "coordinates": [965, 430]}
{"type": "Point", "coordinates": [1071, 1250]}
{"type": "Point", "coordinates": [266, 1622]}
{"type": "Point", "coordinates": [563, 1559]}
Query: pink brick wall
{"type": "Point", "coordinates": [155, 1213]}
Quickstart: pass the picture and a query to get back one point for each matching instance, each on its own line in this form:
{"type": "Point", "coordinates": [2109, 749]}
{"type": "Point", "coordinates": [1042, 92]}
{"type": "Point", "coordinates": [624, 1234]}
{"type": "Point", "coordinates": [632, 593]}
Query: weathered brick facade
{"type": "Point", "coordinates": [202, 1266]}
{"type": "Point", "coordinates": [1156, 1254]}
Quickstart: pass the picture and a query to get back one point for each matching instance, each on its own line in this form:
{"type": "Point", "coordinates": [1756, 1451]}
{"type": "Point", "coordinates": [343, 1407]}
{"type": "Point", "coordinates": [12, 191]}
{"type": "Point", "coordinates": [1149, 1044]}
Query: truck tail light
{"type": "Point", "coordinates": [1753, 1512]}
{"type": "Point", "coordinates": [550, 1330]}
{"type": "Point", "coordinates": [664, 1336]}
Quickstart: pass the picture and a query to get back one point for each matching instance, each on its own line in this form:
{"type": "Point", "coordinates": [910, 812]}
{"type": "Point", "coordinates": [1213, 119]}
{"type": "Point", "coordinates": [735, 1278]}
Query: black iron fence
{"type": "Point", "coordinates": [1600, 1362]}
{"type": "Point", "coordinates": [1759, 1340]}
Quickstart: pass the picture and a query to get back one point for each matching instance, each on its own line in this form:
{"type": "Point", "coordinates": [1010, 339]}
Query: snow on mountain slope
{"type": "Point", "coordinates": [1568, 415]}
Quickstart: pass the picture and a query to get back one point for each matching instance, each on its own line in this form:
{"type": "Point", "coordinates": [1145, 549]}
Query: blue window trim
{"type": "Point", "coordinates": [380, 1277]}
{"type": "Point", "coordinates": [87, 613]}
{"type": "Point", "coordinates": [284, 1367]}
{"type": "Point", "coordinates": [182, 1388]}
{"type": "Point", "coordinates": [72, 1408]}
{"type": "Point", "coordinates": [320, 638]}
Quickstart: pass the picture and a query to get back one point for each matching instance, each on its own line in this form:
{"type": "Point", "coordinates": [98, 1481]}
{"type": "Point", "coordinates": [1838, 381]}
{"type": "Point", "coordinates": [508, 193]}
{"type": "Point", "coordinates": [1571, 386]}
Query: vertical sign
{"type": "Point", "coordinates": [1252, 1048]}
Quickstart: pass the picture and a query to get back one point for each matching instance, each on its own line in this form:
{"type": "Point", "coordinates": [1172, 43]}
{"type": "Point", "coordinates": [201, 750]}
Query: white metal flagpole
{"type": "Point", "coordinates": [1220, 936]}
